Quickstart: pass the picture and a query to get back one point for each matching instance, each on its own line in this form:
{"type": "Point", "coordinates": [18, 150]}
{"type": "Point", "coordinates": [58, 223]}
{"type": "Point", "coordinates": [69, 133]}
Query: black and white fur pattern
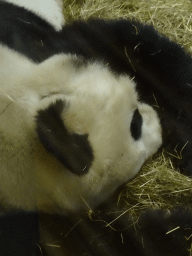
{"type": "Point", "coordinates": [74, 130]}
{"type": "Point", "coordinates": [49, 10]}
{"type": "Point", "coordinates": [80, 100]}
{"type": "Point", "coordinates": [160, 68]}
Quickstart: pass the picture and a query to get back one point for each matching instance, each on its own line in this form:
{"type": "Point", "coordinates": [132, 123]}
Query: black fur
{"type": "Point", "coordinates": [126, 235]}
{"type": "Point", "coordinates": [27, 33]}
{"type": "Point", "coordinates": [166, 233]}
{"type": "Point", "coordinates": [155, 233]}
{"type": "Point", "coordinates": [19, 234]}
{"type": "Point", "coordinates": [72, 150]}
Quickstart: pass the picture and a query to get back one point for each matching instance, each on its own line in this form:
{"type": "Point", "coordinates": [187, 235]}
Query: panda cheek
{"type": "Point", "coordinates": [72, 150]}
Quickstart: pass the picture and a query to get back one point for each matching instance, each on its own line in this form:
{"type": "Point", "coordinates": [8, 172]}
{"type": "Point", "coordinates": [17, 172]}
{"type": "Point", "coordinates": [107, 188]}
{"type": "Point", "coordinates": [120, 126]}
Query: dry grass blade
{"type": "Point", "coordinates": [158, 185]}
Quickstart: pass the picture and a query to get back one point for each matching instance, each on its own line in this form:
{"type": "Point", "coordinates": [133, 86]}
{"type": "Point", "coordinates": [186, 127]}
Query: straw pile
{"type": "Point", "coordinates": [158, 184]}
{"type": "Point", "coordinates": [171, 17]}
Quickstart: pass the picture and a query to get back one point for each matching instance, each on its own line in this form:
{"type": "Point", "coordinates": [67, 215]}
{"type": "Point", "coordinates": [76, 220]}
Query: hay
{"type": "Point", "coordinates": [158, 185]}
{"type": "Point", "coordinates": [171, 17]}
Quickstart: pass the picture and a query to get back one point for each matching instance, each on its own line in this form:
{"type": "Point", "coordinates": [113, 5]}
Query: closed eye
{"type": "Point", "coordinates": [136, 125]}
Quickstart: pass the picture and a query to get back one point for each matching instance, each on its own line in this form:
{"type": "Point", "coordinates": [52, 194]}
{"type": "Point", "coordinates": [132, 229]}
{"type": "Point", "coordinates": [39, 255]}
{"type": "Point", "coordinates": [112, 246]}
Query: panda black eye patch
{"type": "Point", "coordinates": [72, 150]}
{"type": "Point", "coordinates": [136, 125]}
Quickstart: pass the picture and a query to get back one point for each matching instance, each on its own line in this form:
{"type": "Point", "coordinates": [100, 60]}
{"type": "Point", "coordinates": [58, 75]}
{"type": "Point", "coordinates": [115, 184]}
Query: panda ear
{"type": "Point", "coordinates": [72, 150]}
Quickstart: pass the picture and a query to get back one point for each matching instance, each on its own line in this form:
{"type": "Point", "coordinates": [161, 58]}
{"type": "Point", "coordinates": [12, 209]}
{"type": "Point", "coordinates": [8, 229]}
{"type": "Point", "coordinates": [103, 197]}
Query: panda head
{"type": "Point", "coordinates": [90, 121]}
{"type": "Point", "coordinates": [79, 133]}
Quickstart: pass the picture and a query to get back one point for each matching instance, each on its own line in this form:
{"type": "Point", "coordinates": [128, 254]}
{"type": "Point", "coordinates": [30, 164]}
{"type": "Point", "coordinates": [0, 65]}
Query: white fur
{"type": "Point", "coordinates": [49, 10]}
{"type": "Point", "coordinates": [100, 104]}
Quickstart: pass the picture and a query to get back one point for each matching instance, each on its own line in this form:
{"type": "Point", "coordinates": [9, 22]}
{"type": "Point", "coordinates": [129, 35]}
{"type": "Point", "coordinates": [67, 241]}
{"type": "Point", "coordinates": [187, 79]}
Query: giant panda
{"type": "Point", "coordinates": [74, 133]}
{"type": "Point", "coordinates": [77, 114]}
{"type": "Point", "coordinates": [160, 68]}
{"type": "Point", "coordinates": [73, 129]}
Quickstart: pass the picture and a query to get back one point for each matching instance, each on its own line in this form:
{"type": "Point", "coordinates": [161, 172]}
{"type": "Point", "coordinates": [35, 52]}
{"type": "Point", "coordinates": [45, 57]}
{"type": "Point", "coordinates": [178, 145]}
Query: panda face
{"type": "Point", "coordinates": [82, 133]}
